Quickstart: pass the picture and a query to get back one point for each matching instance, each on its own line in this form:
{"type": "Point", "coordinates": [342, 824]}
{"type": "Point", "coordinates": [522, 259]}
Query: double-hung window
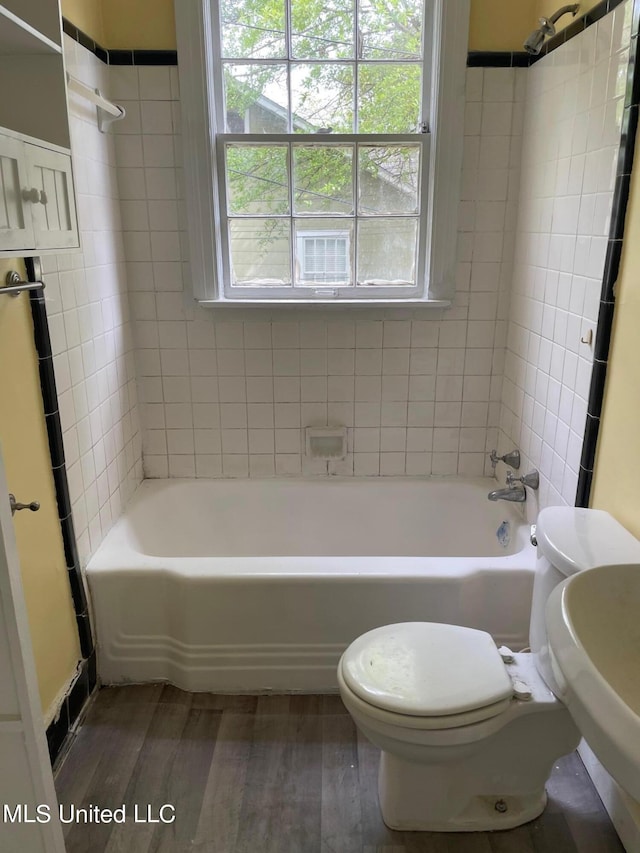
{"type": "Point", "coordinates": [311, 168]}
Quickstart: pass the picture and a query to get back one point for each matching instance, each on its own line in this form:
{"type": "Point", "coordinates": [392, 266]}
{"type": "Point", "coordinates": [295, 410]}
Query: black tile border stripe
{"type": "Point", "coordinates": [60, 730]}
{"type": "Point", "coordinates": [498, 59]}
{"type": "Point", "coordinates": [56, 450]}
{"type": "Point", "coordinates": [612, 263]}
{"type": "Point", "coordinates": [119, 57]}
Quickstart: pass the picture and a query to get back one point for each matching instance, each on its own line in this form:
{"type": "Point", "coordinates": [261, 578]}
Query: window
{"type": "Point", "coordinates": [323, 257]}
{"type": "Point", "coordinates": [323, 182]}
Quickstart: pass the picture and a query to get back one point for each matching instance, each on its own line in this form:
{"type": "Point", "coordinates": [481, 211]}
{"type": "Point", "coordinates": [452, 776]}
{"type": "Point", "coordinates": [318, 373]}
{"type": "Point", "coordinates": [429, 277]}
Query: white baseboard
{"type": "Point", "coordinates": [622, 809]}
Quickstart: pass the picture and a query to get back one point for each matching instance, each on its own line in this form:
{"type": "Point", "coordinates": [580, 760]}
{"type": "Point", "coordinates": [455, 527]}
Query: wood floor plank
{"type": "Point", "coordinates": [425, 842]}
{"type": "Point", "coordinates": [123, 730]}
{"type": "Point", "coordinates": [259, 827]}
{"type": "Point", "coordinates": [586, 817]}
{"type": "Point", "coordinates": [468, 842]}
{"type": "Point", "coordinates": [240, 704]}
{"type": "Point", "coordinates": [185, 782]}
{"type": "Point", "coordinates": [299, 779]}
{"type": "Point", "coordinates": [224, 791]}
{"type": "Point", "coordinates": [516, 840]}
{"type": "Point", "coordinates": [341, 829]}
{"type": "Point", "coordinates": [80, 764]}
{"type": "Point", "coordinates": [375, 832]}
{"type": "Point", "coordinates": [550, 833]}
{"type": "Point", "coordinates": [148, 782]}
{"type": "Point", "coordinates": [333, 704]}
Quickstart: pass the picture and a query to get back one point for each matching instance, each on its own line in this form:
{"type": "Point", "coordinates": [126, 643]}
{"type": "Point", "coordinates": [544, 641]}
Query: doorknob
{"type": "Point", "coordinates": [32, 195]}
{"type": "Point", "coordinates": [34, 506]}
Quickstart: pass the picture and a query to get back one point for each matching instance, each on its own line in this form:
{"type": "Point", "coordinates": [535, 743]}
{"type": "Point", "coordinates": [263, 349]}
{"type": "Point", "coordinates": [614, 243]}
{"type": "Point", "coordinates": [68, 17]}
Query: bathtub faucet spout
{"type": "Point", "coordinates": [516, 493]}
{"type": "Point", "coordinates": [515, 490]}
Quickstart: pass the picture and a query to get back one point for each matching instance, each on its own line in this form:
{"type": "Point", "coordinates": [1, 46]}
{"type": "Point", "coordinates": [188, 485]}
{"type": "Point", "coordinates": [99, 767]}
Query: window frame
{"type": "Point", "coordinates": [201, 90]}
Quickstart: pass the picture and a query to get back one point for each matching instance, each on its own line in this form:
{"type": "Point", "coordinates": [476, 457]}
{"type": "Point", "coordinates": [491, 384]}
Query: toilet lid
{"type": "Point", "coordinates": [426, 669]}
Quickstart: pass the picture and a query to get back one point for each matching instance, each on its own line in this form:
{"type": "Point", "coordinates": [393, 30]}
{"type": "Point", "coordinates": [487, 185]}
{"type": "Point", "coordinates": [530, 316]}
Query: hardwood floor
{"type": "Point", "coordinates": [271, 774]}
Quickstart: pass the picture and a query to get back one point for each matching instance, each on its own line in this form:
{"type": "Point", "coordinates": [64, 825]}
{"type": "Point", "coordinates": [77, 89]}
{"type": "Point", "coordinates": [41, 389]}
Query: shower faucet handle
{"type": "Point", "coordinates": [532, 479]}
{"type": "Point", "coordinates": [512, 458]}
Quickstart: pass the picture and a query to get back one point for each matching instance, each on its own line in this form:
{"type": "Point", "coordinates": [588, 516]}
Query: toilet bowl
{"type": "Point", "coordinates": [469, 733]}
{"type": "Point", "coordinates": [472, 754]}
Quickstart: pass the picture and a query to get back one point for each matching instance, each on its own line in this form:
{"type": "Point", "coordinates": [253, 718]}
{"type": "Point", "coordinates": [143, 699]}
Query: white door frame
{"type": "Point", "coordinates": [26, 778]}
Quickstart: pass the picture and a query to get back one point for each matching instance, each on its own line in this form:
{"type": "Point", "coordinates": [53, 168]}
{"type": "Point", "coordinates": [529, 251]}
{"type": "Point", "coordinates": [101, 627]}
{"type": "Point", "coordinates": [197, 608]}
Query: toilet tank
{"type": "Point", "coordinates": [571, 540]}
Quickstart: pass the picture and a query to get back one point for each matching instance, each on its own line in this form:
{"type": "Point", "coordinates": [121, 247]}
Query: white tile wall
{"type": "Point", "coordinates": [87, 307]}
{"type": "Point", "coordinates": [573, 114]}
{"type": "Point", "coordinates": [227, 393]}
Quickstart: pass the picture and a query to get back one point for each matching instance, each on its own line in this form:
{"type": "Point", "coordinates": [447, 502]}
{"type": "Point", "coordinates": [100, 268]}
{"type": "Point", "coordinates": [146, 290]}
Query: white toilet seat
{"type": "Point", "coordinates": [411, 722]}
{"type": "Point", "coordinates": [424, 675]}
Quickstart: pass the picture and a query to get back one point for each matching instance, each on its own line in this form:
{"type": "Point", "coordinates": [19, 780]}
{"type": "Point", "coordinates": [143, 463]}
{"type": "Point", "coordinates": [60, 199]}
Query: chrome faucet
{"type": "Point", "coordinates": [512, 459]}
{"type": "Point", "coordinates": [515, 491]}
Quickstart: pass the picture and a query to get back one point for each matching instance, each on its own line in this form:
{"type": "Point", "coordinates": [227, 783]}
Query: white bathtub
{"type": "Point", "coordinates": [244, 585]}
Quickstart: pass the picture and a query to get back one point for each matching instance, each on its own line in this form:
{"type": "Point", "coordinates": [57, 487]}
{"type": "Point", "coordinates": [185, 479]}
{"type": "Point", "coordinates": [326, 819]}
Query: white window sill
{"type": "Point", "coordinates": [326, 303]}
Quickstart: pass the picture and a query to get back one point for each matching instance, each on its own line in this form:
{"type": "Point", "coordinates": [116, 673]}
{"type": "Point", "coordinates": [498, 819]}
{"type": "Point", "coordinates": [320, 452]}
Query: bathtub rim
{"type": "Point", "coordinates": [118, 554]}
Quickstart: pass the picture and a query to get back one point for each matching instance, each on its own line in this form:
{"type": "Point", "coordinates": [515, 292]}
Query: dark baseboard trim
{"type": "Point", "coordinates": [61, 731]}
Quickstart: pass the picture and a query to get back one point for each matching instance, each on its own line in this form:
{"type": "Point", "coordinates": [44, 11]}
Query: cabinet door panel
{"type": "Point", "coordinates": [54, 215]}
{"type": "Point", "coordinates": [16, 231]}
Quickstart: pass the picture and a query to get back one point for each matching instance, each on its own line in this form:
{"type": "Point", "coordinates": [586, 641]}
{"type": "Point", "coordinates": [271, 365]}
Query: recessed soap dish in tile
{"type": "Point", "coordinates": [326, 442]}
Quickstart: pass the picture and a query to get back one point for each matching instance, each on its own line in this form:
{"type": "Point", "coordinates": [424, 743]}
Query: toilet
{"type": "Point", "coordinates": [468, 732]}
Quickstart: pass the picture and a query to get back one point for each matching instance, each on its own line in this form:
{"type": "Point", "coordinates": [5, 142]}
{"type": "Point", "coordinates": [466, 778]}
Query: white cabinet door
{"type": "Point", "coordinates": [16, 230]}
{"type": "Point", "coordinates": [54, 213]}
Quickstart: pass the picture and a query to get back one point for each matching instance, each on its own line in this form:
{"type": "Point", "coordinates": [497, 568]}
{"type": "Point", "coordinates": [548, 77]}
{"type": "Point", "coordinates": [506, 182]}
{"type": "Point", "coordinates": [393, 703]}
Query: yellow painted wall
{"type": "Point", "coordinates": [27, 462]}
{"type": "Point", "coordinates": [87, 16]}
{"type": "Point", "coordinates": [141, 24]}
{"type": "Point", "coordinates": [618, 459]}
{"type": "Point", "coordinates": [501, 24]}
{"type": "Point", "coordinates": [149, 24]}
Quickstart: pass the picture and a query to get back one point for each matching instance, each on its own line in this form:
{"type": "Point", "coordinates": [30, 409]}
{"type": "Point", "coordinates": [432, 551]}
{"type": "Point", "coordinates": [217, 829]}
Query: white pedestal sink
{"type": "Point", "coordinates": [593, 624]}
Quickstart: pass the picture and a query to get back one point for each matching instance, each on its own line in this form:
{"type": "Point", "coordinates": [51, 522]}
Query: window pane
{"type": "Point", "coordinates": [256, 98]}
{"type": "Point", "coordinates": [260, 252]}
{"type": "Point", "coordinates": [388, 179]}
{"type": "Point", "coordinates": [391, 30]}
{"type": "Point", "coordinates": [322, 29]}
{"type": "Point", "coordinates": [387, 250]}
{"type": "Point", "coordinates": [322, 97]}
{"type": "Point", "coordinates": [257, 179]}
{"type": "Point", "coordinates": [388, 98]}
{"type": "Point", "coordinates": [323, 178]}
{"type": "Point", "coordinates": [323, 251]}
{"type": "Point", "coordinates": [253, 28]}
